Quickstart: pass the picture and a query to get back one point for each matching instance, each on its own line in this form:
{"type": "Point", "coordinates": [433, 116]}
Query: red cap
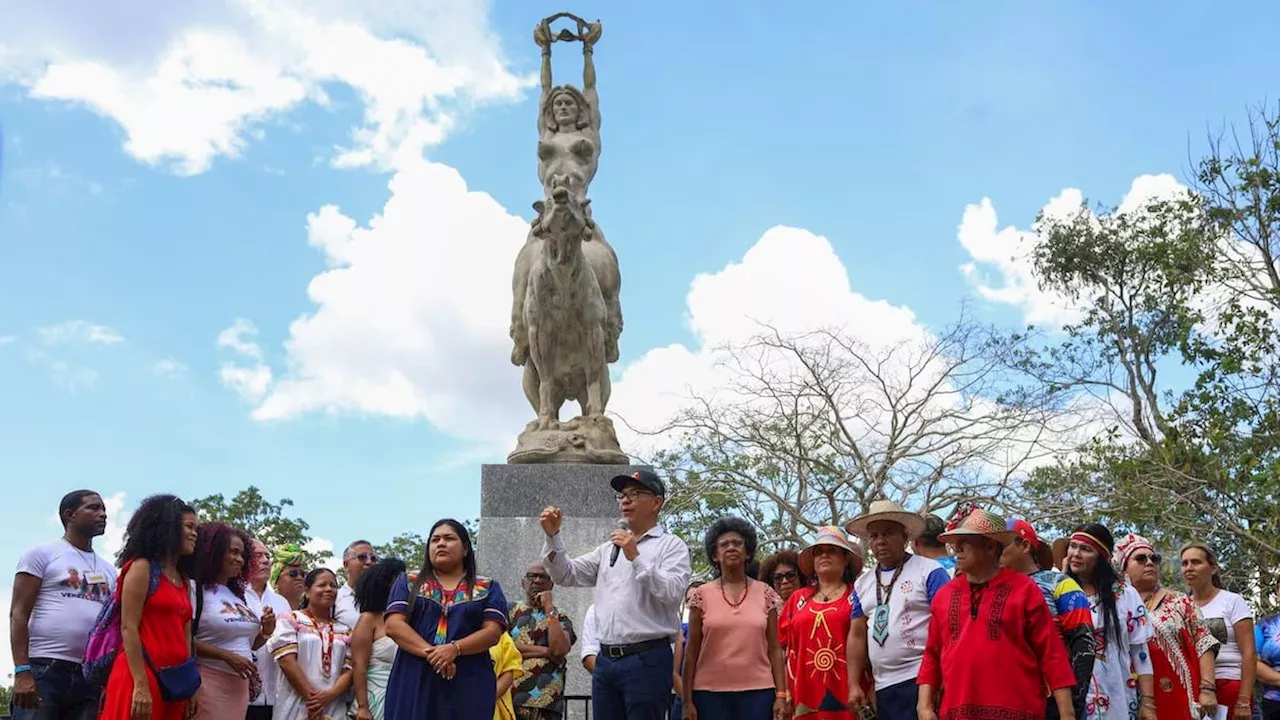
{"type": "Point", "coordinates": [1041, 551]}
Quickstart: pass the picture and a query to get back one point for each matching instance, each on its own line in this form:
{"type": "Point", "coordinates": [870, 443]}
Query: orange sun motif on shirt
{"type": "Point", "coordinates": [824, 661]}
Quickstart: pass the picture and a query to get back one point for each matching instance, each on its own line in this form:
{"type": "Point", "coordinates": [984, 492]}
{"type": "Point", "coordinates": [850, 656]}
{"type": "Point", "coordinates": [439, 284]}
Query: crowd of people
{"type": "Point", "coordinates": [976, 619]}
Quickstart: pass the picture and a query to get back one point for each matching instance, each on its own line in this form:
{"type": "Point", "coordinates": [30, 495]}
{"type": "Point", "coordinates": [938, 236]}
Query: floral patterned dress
{"type": "Point", "coordinates": [1113, 694]}
{"type": "Point", "coordinates": [1180, 638]}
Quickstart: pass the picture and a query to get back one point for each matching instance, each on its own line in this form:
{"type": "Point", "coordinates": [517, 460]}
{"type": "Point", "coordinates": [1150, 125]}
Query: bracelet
{"type": "Point", "coordinates": [1243, 703]}
{"type": "Point", "coordinates": [783, 695]}
{"type": "Point", "coordinates": [457, 648]}
{"type": "Point", "coordinates": [22, 669]}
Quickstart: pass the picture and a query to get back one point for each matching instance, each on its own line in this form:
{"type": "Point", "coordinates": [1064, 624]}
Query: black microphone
{"type": "Point", "coordinates": [622, 525]}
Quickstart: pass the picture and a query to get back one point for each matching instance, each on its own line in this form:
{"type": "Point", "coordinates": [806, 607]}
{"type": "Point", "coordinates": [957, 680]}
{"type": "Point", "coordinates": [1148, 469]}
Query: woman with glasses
{"type": "Point", "coordinates": [733, 666]}
{"type": "Point", "coordinates": [782, 571]}
{"type": "Point", "coordinates": [288, 575]}
{"type": "Point", "coordinates": [814, 626]}
{"type": "Point", "coordinates": [1182, 649]}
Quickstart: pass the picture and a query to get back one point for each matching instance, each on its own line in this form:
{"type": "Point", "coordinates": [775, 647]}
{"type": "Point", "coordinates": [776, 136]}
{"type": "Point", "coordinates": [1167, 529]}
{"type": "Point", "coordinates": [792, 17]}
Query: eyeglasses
{"type": "Point", "coordinates": [531, 577]}
{"type": "Point", "coordinates": [366, 557]}
{"type": "Point", "coordinates": [631, 495]}
{"type": "Point", "coordinates": [295, 572]}
{"type": "Point", "coordinates": [731, 543]}
{"type": "Point", "coordinates": [1144, 559]}
{"type": "Point", "coordinates": [789, 575]}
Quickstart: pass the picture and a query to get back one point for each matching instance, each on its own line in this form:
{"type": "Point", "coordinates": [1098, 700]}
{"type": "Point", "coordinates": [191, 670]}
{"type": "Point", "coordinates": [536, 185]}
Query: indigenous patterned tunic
{"type": "Point", "coordinates": [1181, 637]}
{"type": "Point", "coordinates": [814, 634]}
{"type": "Point", "coordinates": [542, 685]}
{"type": "Point", "coordinates": [1114, 693]}
{"type": "Point", "coordinates": [1001, 626]}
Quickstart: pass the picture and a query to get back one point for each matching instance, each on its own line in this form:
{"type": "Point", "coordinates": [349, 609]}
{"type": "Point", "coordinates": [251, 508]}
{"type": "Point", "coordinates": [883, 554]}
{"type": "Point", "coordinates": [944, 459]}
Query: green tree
{"type": "Point", "coordinates": [6, 696]}
{"type": "Point", "coordinates": [261, 518]}
{"type": "Point", "coordinates": [1187, 285]}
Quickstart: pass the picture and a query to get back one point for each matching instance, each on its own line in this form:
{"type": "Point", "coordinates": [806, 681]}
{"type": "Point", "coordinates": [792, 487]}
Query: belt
{"type": "Point", "coordinates": [58, 664]}
{"type": "Point", "coordinates": [621, 651]}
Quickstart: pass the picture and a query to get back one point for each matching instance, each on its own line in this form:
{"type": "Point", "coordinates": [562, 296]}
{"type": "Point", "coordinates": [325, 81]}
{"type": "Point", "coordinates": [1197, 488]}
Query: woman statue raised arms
{"type": "Point", "coordinates": [568, 118]}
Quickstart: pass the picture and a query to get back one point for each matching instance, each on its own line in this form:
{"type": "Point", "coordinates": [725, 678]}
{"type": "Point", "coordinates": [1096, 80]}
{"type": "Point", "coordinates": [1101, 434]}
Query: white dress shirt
{"type": "Point", "coordinates": [267, 668]}
{"type": "Point", "coordinates": [634, 601]}
{"type": "Point", "coordinates": [344, 608]}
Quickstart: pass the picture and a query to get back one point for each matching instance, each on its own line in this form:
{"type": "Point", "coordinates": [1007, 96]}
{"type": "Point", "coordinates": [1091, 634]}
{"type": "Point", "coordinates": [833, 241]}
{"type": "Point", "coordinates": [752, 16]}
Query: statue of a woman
{"type": "Point", "coordinates": [568, 118]}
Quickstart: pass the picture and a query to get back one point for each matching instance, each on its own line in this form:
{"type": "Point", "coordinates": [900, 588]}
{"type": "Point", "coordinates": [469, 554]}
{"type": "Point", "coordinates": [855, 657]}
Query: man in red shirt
{"type": "Point", "coordinates": [993, 646]}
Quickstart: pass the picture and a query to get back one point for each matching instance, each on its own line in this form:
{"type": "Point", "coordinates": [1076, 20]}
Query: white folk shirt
{"type": "Point", "coordinates": [267, 668]}
{"type": "Point", "coordinates": [634, 601]}
{"type": "Point", "coordinates": [74, 585]}
{"type": "Point", "coordinates": [898, 660]}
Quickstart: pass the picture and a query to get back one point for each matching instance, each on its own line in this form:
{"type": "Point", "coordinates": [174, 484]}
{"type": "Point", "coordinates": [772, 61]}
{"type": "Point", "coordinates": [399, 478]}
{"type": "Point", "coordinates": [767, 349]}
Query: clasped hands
{"type": "Point", "coordinates": [443, 659]}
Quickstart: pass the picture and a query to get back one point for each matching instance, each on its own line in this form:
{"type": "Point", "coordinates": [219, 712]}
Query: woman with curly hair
{"type": "Point", "coordinates": [782, 571]}
{"type": "Point", "coordinates": [228, 629]}
{"type": "Point", "coordinates": [372, 650]}
{"type": "Point", "coordinates": [156, 562]}
{"type": "Point", "coordinates": [733, 665]}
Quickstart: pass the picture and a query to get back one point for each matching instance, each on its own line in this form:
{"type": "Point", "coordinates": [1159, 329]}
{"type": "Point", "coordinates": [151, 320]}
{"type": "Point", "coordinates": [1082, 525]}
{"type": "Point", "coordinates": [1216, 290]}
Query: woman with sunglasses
{"type": "Point", "coordinates": [1182, 649]}
{"type": "Point", "coordinates": [288, 575]}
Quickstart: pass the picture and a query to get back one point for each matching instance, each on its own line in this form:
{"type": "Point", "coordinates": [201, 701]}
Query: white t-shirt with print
{"type": "Point", "coordinates": [227, 622]}
{"type": "Point", "coordinates": [268, 670]}
{"type": "Point", "coordinates": [1221, 615]}
{"type": "Point", "coordinates": [74, 585]}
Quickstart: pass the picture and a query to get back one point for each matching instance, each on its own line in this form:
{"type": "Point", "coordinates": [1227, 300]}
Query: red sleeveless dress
{"type": "Point", "coordinates": [163, 632]}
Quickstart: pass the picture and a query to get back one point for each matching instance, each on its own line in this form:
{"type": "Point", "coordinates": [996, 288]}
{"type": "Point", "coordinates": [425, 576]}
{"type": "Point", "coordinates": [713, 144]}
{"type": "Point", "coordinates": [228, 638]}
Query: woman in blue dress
{"type": "Point", "coordinates": [444, 624]}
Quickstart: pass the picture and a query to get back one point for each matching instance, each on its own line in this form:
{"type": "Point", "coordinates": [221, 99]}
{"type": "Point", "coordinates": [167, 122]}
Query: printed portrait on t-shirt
{"type": "Point", "coordinates": [237, 612]}
{"type": "Point", "coordinates": [86, 586]}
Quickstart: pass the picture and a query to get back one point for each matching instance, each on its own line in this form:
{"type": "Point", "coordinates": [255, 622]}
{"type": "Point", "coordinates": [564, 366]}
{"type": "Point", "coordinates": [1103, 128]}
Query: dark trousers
{"type": "Point", "coordinates": [1270, 710]}
{"type": "Point", "coordinates": [635, 687]}
{"type": "Point", "coordinates": [897, 702]}
{"type": "Point", "coordinates": [743, 705]}
{"type": "Point", "coordinates": [64, 692]}
{"type": "Point", "coordinates": [258, 712]}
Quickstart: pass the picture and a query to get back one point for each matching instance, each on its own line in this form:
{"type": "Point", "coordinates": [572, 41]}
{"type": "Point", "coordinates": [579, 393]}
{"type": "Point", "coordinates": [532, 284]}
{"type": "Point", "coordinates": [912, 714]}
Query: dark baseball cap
{"type": "Point", "coordinates": [647, 478]}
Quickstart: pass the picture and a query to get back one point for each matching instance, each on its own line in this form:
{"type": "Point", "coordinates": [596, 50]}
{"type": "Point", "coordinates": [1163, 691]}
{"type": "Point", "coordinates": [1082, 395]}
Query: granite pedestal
{"type": "Point", "coordinates": [511, 499]}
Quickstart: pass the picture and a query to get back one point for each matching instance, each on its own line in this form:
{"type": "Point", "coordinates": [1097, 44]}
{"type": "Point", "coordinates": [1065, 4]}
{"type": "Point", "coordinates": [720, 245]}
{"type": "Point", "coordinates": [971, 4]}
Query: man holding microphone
{"type": "Point", "coordinates": [640, 576]}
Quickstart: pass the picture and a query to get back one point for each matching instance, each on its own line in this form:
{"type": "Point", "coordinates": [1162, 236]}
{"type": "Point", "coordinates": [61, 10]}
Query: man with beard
{"type": "Point", "coordinates": [58, 592]}
{"type": "Point", "coordinates": [544, 635]}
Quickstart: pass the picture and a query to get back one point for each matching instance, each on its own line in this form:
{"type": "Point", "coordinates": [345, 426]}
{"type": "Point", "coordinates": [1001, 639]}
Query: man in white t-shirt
{"type": "Point", "coordinates": [358, 556]}
{"type": "Point", "coordinates": [58, 592]}
{"type": "Point", "coordinates": [891, 611]}
{"type": "Point", "coordinates": [590, 639]}
{"type": "Point", "coordinates": [260, 598]}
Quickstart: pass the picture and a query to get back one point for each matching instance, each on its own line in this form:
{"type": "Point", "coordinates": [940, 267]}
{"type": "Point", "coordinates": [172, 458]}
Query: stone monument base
{"type": "Point", "coordinates": [577, 441]}
{"type": "Point", "coordinates": [511, 499]}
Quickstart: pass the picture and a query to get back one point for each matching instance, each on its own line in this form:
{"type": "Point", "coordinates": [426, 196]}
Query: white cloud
{"type": "Point", "coordinates": [1006, 253]}
{"type": "Point", "coordinates": [411, 316]}
{"type": "Point", "coordinates": [169, 368]}
{"type": "Point", "coordinates": [7, 339]}
{"type": "Point", "coordinates": [236, 339]}
{"type": "Point", "coordinates": [250, 382]}
{"type": "Point", "coordinates": [189, 82]}
{"type": "Point", "coordinates": [318, 545]}
{"type": "Point", "coordinates": [78, 331]}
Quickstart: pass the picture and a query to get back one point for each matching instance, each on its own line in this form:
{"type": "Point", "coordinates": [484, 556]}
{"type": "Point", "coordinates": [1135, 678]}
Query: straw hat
{"type": "Point", "coordinates": [979, 523]}
{"type": "Point", "coordinates": [830, 535]}
{"type": "Point", "coordinates": [891, 512]}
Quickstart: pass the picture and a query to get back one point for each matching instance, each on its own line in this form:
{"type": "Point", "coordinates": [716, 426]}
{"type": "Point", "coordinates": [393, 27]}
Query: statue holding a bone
{"type": "Point", "coordinates": [565, 314]}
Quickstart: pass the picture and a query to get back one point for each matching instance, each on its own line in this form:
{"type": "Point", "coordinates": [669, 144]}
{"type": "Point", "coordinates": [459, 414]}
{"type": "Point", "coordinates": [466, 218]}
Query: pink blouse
{"type": "Point", "coordinates": [735, 647]}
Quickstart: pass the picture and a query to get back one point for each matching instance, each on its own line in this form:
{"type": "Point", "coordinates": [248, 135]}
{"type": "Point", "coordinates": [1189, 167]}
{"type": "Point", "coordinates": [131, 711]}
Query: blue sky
{"type": "Point", "coordinates": [147, 204]}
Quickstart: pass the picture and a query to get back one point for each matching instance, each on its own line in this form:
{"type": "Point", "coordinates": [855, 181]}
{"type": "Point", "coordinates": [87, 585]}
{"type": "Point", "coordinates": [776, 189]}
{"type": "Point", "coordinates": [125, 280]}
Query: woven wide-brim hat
{"type": "Point", "coordinates": [979, 523]}
{"type": "Point", "coordinates": [888, 511]}
{"type": "Point", "coordinates": [830, 535]}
